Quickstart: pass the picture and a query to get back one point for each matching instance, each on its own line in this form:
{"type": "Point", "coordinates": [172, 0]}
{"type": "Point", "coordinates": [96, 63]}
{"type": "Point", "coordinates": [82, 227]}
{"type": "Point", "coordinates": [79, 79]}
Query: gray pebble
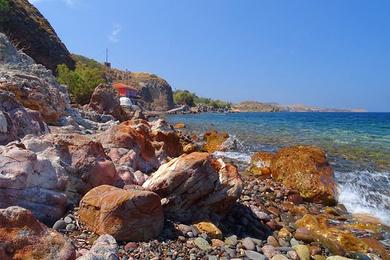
{"type": "Point", "coordinates": [70, 227]}
{"type": "Point", "coordinates": [60, 224]}
{"type": "Point", "coordinates": [254, 255]}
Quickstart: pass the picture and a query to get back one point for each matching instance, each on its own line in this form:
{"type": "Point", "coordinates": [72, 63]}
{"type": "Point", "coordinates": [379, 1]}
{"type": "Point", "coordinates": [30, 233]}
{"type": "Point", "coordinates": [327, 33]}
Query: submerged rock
{"type": "Point", "coordinates": [306, 169]}
{"type": "Point", "coordinates": [22, 236]}
{"type": "Point", "coordinates": [194, 186]}
{"type": "Point", "coordinates": [129, 215]}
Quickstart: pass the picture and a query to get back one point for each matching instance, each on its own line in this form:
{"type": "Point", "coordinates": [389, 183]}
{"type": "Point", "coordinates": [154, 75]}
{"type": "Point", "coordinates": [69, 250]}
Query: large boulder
{"type": "Point", "coordinates": [31, 181]}
{"type": "Point", "coordinates": [17, 121]}
{"type": "Point", "coordinates": [25, 25]}
{"type": "Point", "coordinates": [84, 162]}
{"type": "Point", "coordinates": [33, 85]}
{"type": "Point", "coordinates": [105, 100]}
{"type": "Point", "coordinates": [128, 215]}
{"type": "Point", "coordinates": [129, 144]}
{"type": "Point", "coordinates": [22, 236]}
{"type": "Point", "coordinates": [195, 186]}
{"type": "Point", "coordinates": [306, 170]}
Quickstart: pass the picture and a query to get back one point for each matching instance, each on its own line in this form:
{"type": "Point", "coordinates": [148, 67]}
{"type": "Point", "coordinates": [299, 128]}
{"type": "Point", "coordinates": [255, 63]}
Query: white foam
{"type": "Point", "coordinates": [237, 156]}
{"type": "Point", "coordinates": [366, 192]}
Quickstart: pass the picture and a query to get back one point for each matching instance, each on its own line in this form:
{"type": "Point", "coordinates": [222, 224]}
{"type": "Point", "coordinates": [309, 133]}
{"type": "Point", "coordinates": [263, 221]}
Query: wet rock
{"type": "Point", "coordinates": [336, 240]}
{"type": "Point", "coordinates": [196, 185]}
{"type": "Point", "coordinates": [129, 215]}
{"type": "Point", "coordinates": [292, 255]}
{"type": "Point", "coordinates": [209, 228]}
{"type": "Point", "coordinates": [306, 169]}
{"type": "Point", "coordinates": [214, 140]}
{"type": "Point", "coordinates": [253, 255]}
{"type": "Point", "coordinates": [304, 234]}
{"type": "Point", "coordinates": [261, 164]}
{"type": "Point", "coordinates": [21, 233]}
{"type": "Point", "coordinates": [105, 247]}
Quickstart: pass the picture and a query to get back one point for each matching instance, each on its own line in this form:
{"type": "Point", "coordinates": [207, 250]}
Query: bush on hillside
{"type": "Point", "coordinates": [184, 97]}
{"type": "Point", "coordinates": [82, 81]}
{"type": "Point", "coordinates": [4, 7]}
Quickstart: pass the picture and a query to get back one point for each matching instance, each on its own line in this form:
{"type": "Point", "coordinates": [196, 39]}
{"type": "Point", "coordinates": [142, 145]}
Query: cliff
{"type": "Point", "coordinates": [26, 27]}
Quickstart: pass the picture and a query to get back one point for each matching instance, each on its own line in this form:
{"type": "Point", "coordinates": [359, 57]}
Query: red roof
{"type": "Point", "coordinates": [122, 86]}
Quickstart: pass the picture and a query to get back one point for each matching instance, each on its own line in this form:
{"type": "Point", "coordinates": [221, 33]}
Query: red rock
{"type": "Point", "coordinates": [195, 185]}
{"type": "Point", "coordinates": [214, 140]}
{"type": "Point", "coordinates": [306, 169]}
{"type": "Point", "coordinates": [261, 164]}
{"type": "Point", "coordinates": [24, 237]}
{"type": "Point", "coordinates": [129, 215]}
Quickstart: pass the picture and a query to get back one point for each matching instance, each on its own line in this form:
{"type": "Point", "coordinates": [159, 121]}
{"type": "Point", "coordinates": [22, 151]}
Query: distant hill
{"type": "Point", "coordinates": [254, 106]}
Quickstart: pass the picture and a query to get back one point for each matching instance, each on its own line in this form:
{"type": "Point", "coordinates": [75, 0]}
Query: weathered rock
{"type": "Point", "coordinates": [105, 247]}
{"type": "Point", "coordinates": [261, 164]}
{"type": "Point", "coordinates": [80, 159]}
{"type": "Point", "coordinates": [248, 243]}
{"type": "Point", "coordinates": [130, 145]}
{"type": "Point", "coordinates": [306, 169]}
{"type": "Point", "coordinates": [33, 85]}
{"type": "Point", "coordinates": [30, 181]}
{"type": "Point", "coordinates": [302, 251]}
{"type": "Point", "coordinates": [195, 185]}
{"type": "Point", "coordinates": [25, 25]}
{"type": "Point", "coordinates": [253, 255]}
{"type": "Point", "coordinates": [24, 237]}
{"type": "Point", "coordinates": [209, 228]}
{"type": "Point", "coordinates": [17, 121]}
{"type": "Point", "coordinates": [336, 240]}
{"type": "Point", "coordinates": [202, 244]}
{"type": "Point", "coordinates": [105, 100]}
{"type": "Point", "coordinates": [130, 215]}
{"type": "Point", "coordinates": [214, 140]}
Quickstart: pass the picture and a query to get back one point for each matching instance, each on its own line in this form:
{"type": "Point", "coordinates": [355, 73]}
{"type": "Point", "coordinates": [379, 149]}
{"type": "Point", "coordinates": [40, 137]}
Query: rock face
{"type": "Point", "coordinates": [261, 164]}
{"type": "Point", "coordinates": [24, 237]}
{"type": "Point", "coordinates": [16, 121]}
{"type": "Point", "coordinates": [306, 169]}
{"type": "Point", "coordinates": [33, 85]}
{"type": "Point", "coordinates": [195, 186]}
{"type": "Point", "coordinates": [337, 240]}
{"type": "Point", "coordinates": [32, 182]}
{"type": "Point", "coordinates": [214, 140]}
{"type": "Point", "coordinates": [25, 25]}
{"type": "Point", "coordinates": [105, 100]}
{"type": "Point", "coordinates": [129, 215]}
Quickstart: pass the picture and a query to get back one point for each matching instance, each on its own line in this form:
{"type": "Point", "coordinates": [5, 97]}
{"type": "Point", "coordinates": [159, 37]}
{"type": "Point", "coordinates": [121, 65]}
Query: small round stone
{"type": "Point", "coordinates": [59, 225]}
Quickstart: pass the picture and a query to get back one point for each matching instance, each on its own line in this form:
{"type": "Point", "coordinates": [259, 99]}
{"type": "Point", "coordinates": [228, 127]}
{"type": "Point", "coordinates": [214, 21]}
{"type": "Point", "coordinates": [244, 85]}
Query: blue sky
{"type": "Point", "coordinates": [329, 53]}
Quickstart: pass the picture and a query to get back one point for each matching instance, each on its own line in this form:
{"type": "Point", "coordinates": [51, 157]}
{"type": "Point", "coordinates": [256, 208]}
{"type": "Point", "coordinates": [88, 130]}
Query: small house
{"type": "Point", "coordinates": [126, 91]}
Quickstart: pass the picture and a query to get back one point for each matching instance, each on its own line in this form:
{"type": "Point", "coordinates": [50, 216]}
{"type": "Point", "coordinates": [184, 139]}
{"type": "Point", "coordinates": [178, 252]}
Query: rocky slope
{"type": "Point", "coordinates": [27, 28]}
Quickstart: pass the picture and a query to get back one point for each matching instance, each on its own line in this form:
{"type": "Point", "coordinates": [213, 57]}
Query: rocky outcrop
{"type": "Point", "coordinates": [26, 26]}
{"type": "Point", "coordinates": [33, 85]}
{"type": "Point", "coordinates": [129, 215]}
{"type": "Point", "coordinates": [105, 100]}
{"type": "Point", "coordinates": [22, 236]}
{"type": "Point", "coordinates": [17, 121]}
{"type": "Point", "coordinates": [214, 140]}
{"type": "Point", "coordinates": [155, 92]}
{"type": "Point", "coordinates": [30, 181]}
{"type": "Point", "coordinates": [195, 186]}
{"type": "Point", "coordinates": [306, 169]}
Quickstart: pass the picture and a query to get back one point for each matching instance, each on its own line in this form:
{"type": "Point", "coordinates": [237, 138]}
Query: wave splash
{"type": "Point", "coordinates": [366, 192]}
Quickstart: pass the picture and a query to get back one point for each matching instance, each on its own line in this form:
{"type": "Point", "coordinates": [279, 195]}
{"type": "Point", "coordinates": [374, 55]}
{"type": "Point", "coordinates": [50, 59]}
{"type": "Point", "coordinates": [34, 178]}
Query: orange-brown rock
{"type": "Point", "coordinates": [214, 140]}
{"type": "Point", "coordinates": [338, 241]}
{"type": "Point", "coordinates": [261, 164]}
{"type": "Point", "coordinates": [306, 169]}
{"type": "Point", "coordinates": [170, 143]}
{"type": "Point", "coordinates": [377, 247]}
{"type": "Point", "coordinates": [22, 236]}
{"type": "Point", "coordinates": [180, 126]}
{"type": "Point", "coordinates": [128, 215]}
{"type": "Point", "coordinates": [195, 185]}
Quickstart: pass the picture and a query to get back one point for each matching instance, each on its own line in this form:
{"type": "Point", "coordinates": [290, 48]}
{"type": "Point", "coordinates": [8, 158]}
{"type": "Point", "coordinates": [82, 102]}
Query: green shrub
{"type": "Point", "coordinates": [82, 81]}
{"type": "Point", "coordinates": [4, 5]}
{"type": "Point", "coordinates": [184, 97]}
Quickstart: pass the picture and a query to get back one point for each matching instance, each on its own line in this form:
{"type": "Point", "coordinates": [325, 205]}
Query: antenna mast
{"type": "Point", "coordinates": [108, 64]}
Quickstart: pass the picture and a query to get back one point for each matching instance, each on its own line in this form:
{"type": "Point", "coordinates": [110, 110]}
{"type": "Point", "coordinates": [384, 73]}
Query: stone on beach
{"type": "Point", "coordinates": [194, 186]}
{"type": "Point", "coordinates": [22, 236]}
{"type": "Point", "coordinates": [260, 165]}
{"type": "Point", "coordinates": [105, 247]}
{"type": "Point", "coordinates": [128, 215]}
{"type": "Point", "coordinates": [306, 169]}
{"type": "Point", "coordinates": [214, 140]}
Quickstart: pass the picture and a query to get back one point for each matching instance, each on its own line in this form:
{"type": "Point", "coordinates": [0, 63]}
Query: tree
{"type": "Point", "coordinates": [183, 97]}
{"type": "Point", "coordinates": [4, 5]}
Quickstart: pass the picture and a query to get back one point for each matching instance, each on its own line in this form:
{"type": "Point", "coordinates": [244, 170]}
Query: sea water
{"type": "Point", "coordinates": [357, 145]}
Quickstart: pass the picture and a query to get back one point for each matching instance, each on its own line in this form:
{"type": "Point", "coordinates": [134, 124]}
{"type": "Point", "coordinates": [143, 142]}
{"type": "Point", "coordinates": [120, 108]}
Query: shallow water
{"type": "Point", "coordinates": [358, 147]}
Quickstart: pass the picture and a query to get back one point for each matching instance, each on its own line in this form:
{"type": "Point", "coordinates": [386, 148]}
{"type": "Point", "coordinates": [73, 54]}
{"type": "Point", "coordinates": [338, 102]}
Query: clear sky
{"type": "Point", "coordinates": [329, 53]}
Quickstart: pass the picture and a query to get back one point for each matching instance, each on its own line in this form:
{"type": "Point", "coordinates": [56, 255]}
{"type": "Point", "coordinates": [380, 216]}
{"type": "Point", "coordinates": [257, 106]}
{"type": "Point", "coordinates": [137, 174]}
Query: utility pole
{"type": "Point", "coordinates": [107, 64]}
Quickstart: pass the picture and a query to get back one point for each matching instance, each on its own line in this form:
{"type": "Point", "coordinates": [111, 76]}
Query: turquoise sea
{"type": "Point", "coordinates": [357, 144]}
